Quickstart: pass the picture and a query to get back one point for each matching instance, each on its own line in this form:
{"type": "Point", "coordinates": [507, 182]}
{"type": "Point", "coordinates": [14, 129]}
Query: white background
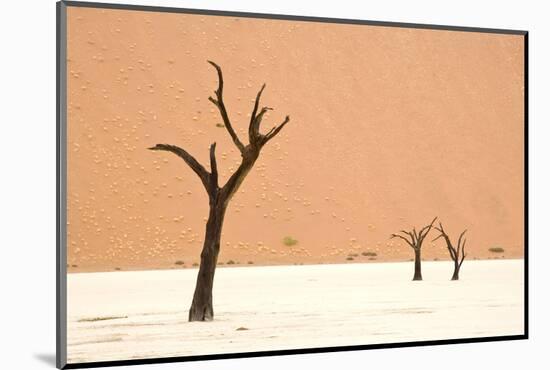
{"type": "Point", "coordinates": [27, 182]}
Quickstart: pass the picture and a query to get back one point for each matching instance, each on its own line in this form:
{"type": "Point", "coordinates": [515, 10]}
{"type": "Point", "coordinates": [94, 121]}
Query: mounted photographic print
{"type": "Point", "coordinates": [237, 184]}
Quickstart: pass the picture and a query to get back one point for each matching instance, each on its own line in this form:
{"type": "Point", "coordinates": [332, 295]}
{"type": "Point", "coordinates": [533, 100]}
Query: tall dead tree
{"type": "Point", "coordinates": [414, 240]}
{"type": "Point", "coordinates": [457, 253]}
{"type": "Point", "coordinates": [219, 197]}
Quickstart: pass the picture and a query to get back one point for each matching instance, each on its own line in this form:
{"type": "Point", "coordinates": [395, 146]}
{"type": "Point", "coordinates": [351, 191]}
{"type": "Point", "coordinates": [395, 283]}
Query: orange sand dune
{"type": "Point", "coordinates": [389, 128]}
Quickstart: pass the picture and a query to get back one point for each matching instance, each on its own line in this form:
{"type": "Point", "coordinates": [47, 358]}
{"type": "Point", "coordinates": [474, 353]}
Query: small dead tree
{"type": "Point", "coordinates": [219, 197]}
{"type": "Point", "coordinates": [457, 253]}
{"type": "Point", "coordinates": [414, 240]}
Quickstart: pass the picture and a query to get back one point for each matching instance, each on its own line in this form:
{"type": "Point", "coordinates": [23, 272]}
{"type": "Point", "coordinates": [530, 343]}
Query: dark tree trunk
{"type": "Point", "coordinates": [201, 307]}
{"type": "Point", "coordinates": [455, 273]}
{"type": "Point", "coordinates": [417, 266]}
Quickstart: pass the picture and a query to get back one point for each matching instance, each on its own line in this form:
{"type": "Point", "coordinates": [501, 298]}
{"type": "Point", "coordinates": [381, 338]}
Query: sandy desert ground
{"type": "Point", "coordinates": [142, 314]}
{"type": "Point", "coordinates": [389, 128]}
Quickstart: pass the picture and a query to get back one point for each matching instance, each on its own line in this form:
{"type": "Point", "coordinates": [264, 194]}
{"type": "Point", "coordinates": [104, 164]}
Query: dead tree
{"type": "Point", "coordinates": [457, 254]}
{"type": "Point", "coordinates": [414, 240]}
{"type": "Point", "coordinates": [219, 197]}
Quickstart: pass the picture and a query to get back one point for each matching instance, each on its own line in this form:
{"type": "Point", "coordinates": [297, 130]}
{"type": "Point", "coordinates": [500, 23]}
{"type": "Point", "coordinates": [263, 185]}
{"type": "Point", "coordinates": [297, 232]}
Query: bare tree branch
{"type": "Point", "coordinates": [463, 254]}
{"type": "Point", "coordinates": [218, 102]}
{"type": "Point", "coordinates": [454, 252]}
{"type": "Point", "coordinates": [450, 248]}
{"type": "Point", "coordinates": [416, 238]}
{"type": "Point", "coordinates": [413, 238]}
{"type": "Point", "coordinates": [402, 237]}
{"type": "Point", "coordinates": [252, 128]}
{"type": "Point", "coordinates": [274, 131]}
{"type": "Point", "coordinates": [440, 236]}
{"type": "Point", "coordinates": [236, 179]}
{"type": "Point", "coordinates": [213, 168]}
{"type": "Point", "coordinates": [460, 237]}
{"type": "Point", "coordinates": [257, 121]}
{"type": "Point", "coordinates": [189, 159]}
{"type": "Point", "coordinates": [257, 103]}
{"type": "Point", "coordinates": [426, 229]}
{"type": "Point", "coordinates": [463, 246]}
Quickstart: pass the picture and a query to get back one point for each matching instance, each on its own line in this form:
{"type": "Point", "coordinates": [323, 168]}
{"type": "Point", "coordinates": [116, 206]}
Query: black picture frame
{"type": "Point", "coordinates": [61, 185]}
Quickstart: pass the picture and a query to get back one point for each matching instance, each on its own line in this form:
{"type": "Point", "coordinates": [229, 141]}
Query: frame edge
{"type": "Point", "coordinates": [61, 181]}
{"type": "Point", "coordinates": [288, 17]}
{"type": "Point", "coordinates": [61, 186]}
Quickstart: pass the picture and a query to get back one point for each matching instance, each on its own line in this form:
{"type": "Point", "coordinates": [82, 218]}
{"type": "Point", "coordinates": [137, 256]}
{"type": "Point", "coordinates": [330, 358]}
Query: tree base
{"type": "Point", "coordinates": [204, 313]}
{"type": "Point", "coordinates": [455, 273]}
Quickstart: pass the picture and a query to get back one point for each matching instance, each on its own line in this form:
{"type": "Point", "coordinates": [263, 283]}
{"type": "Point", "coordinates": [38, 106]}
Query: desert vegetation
{"type": "Point", "coordinates": [369, 254]}
{"type": "Point", "coordinates": [289, 241]}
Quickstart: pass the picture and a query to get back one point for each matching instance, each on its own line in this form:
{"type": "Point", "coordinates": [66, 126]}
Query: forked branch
{"type": "Point", "coordinates": [410, 242]}
{"type": "Point", "coordinates": [203, 174]}
{"type": "Point", "coordinates": [256, 118]}
{"type": "Point", "coordinates": [457, 252]}
{"type": "Point", "coordinates": [249, 152]}
{"type": "Point", "coordinates": [274, 131]}
{"type": "Point", "coordinates": [218, 102]}
{"type": "Point", "coordinates": [213, 168]}
{"type": "Point", "coordinates": [413, 238]}
{"type": "Point", "coordinates": [256, 139]}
